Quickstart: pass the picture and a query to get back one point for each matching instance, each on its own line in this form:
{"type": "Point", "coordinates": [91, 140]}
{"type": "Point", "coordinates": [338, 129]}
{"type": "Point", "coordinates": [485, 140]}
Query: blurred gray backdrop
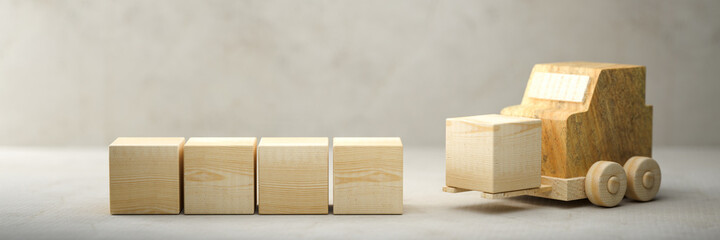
{"type": "Point", "coordinates": [85, 72]}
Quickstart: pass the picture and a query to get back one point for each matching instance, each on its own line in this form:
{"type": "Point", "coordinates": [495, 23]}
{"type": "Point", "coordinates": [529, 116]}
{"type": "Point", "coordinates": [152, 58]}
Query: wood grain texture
{"type": "Point", "coordinates": [493, 153]}
{"type": "Point", "coordinates": [612, 123]}
{"type": "Point", "coordinates": [293, 176]}
{"type": "Point", "coordinates": [565, 189]}
{"type": "Point", "coordinates": [367, 176]}
{"type": "Point", "coordinates": [219, 175]}
{"type": "Point", "coordinates": [146, 175]}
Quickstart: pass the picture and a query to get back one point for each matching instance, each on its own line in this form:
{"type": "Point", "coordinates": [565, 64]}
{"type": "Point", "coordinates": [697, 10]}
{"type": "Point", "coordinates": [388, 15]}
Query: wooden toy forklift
{"type": "Point", "coordinates": [582, 131]}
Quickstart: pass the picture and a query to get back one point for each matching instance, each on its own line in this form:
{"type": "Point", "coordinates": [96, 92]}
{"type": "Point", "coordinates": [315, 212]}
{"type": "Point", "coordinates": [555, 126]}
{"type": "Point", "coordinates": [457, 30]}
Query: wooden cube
{"type": "Point", "coordinates": [293, 176]}
{"type": "Point", "coordinates": [493, 153]}
{"type": "Point", "coordinates": [219, 175]}
{"type": "Point", "coordinates": [146, 175]}
{"type": "Point", "coordinates": [368, 176]}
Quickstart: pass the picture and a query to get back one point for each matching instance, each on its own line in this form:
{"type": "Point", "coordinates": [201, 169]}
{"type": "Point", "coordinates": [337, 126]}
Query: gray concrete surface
{"type": "Point", "coordinates": [62, 193]}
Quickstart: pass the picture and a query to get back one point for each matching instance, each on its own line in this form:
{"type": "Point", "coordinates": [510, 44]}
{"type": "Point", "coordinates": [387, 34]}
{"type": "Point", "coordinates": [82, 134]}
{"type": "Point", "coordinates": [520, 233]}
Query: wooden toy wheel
{"type": "Point", "coordinates": [643, 177]}
{"type": "Point", "coordinates": [605, 183]}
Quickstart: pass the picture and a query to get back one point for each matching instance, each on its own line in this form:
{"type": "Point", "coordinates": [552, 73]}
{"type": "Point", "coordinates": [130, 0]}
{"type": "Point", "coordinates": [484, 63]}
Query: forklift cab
{"type": "Point", "coordinates": [590, 112]}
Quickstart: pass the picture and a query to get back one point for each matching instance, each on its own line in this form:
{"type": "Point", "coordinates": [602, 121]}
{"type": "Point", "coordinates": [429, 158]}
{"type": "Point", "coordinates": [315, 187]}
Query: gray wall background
{"type": "Point", "coordinates": [85, 72]}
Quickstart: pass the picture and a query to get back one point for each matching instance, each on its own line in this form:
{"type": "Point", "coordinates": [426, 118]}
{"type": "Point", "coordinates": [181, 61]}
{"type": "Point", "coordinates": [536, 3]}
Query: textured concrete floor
{"type": "Point", "coordinates": [63, 193]}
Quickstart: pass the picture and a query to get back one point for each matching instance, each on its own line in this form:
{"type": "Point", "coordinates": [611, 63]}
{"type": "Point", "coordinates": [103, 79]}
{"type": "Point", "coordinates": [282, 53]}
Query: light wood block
{"type": "Point", "coordinates": [220, 175]}
{"type": "Point", "coordinates": [368, 176]}
{"type": "Point", "coordinates": [293, 176]}
{"type": "Point", "coordinates": [146, 175]}
{"type": "Point", "coordinates": [493, 153]}
{"type": "Point", "coordinates": [590, 112]}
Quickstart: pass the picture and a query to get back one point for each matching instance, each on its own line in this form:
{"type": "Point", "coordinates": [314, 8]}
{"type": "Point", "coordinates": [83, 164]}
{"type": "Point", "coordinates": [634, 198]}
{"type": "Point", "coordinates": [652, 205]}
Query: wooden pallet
{"type": "Point", "coordinates": [564, 189]}
{"type": "Point", "coordinates": [541, 189]}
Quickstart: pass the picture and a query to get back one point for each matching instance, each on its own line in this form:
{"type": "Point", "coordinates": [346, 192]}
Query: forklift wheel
{"type": "Point", "coordinates": [643, 176]}
{"type": "Point", "coordinates": [605, 183]}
